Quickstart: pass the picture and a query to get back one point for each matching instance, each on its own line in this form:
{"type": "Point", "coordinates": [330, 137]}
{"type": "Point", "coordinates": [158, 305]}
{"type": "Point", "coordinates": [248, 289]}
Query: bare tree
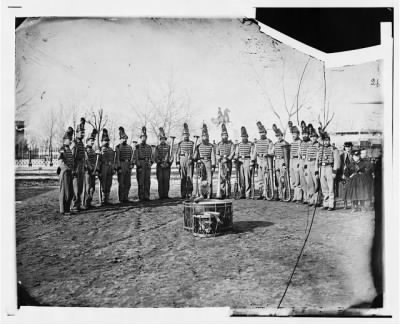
{"type": "Point", "coordinates": [168, 110]}
{"type": "Point", "coordinates": [327, 116]}
{"type": "Point", "coordinates": [98, 120]}
{"type": "Point", "coordinates": [276, 59]}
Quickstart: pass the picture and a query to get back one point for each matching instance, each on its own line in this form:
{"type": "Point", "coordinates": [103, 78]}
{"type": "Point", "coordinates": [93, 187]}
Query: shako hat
{"type": "Point", "coordinates": [276, 130]}
{"type": "Point", "coordinates": [204, 131]}
{"type": "Point", "coordinates": [122, 134]}
{"type": "Point", "coordinates": [69, 133]}
{"type": "Point", "coordinates": [261, 128]}
{"type": "Point", "coordinates": [224, 131]}
{"type": "Point", "coordinates": [104, 135]}
{"type": "Point", "coordinates": [81, 127]}
{"type": "Point", "coordinates": [93, 135]}
{"type": "Point", "coordinates": [161, 135]}
{"type": "Point", "coordinates": [243, 132]}
{"type": "Point", "coordinates": [144, 132]}
{"type": "Point", "coordinates": [185, 129]}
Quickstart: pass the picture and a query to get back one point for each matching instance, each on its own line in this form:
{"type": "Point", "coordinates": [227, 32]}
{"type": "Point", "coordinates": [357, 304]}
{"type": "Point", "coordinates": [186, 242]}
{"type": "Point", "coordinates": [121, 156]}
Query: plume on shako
{"type": "Point", "coordinates": [304, 128]}
{"type": "Point", "coordinates": [104, 135]}
{"type": "Point", "coordinates": [290, 124]}
{"type": "Point", "coordinates": [243, 132]}
{"type": "Point", "coordinates": [224, 131]}
{"type": "Point", "coordinates": [261, 128]}
{"type": "Point", "coordinates": [204, 130]}
{"type": "Point", "coordinates": [81, 126]}
{"type": "Point", "coordinates": [122, 134]}
{"type": "Point", "coordinates": [276, 130]}
{"type": "Point", "coordinates": [185, 129]}
{"type": "Point", "coordinates": [310, 129]}
{"type": "Point", "coordinates": [144, 131]}
{"type": "Point", "coordinates": [93, 134]}
{"type": "Point", "coordinates": [161, 133]}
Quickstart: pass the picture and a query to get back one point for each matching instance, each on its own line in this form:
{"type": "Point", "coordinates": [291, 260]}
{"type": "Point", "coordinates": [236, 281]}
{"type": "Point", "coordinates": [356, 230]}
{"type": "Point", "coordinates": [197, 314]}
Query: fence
{"type": "Point", "coordinates": [36, 157]}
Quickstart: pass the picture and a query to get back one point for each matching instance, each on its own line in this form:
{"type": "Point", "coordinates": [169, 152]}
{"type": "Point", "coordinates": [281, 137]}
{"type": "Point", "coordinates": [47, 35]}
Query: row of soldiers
{"type": "Point", "coordinates": [307, 162]}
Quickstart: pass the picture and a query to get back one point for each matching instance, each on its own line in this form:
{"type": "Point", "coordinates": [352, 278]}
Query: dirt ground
{"type": "Point", "coordinates": [138, 255]}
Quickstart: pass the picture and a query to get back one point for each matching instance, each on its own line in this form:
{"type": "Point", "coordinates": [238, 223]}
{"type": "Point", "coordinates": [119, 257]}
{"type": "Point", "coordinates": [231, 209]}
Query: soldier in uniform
{"type": "Point", "coordinates": [65, 173]}
{"type": "Point", "coordinates": [205, 156]}
{"type": "Point", "coordinates": [143, 160]}
{"type": "Point", "coordinates": [311, 157]}
{"type": "Point", "coordinates": [246, 161]}
{"type": "Point", "coordinates": [164, 159]}
{"type": "Point", "coordinates": [305, 143]}
{"type": "Point", "coordinates": [262, 149]}
{"type": "Point", "coordinates": [295, 163]}
{"type": "Point", "coordinates": [184, 162]}
{"type": "Point", "coordinates": [106, 166]}
{"type": "Point", "coordinates": [124, 164]}
{"type": "Point", "coordinates": [90, 169]}
{"type": "Point", "coordinates": [328, 162]}
{"type": "Point", "coordinates": [281, 163]}
{"type": "Point", "coordinates": [78, 173]}
{"type": "Point", "coordinates": [225, 151]}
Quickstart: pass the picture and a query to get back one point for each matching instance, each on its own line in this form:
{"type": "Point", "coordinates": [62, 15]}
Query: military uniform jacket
{"type": "Point", "coordinates": [66, 158]}
{"type": "Point", "coordinates": [244, 151]}
{"type": "Point", "coordinates": [184, 148]}
{"type": "Point", "coordinates": [225, 150]}
{"type": "Point", "coordinates": [281, 150]}
{"type": "Point", "coordinates": [143, 152]}
{"type": "Point", "coordinates": [303, 149]}
{"type": "Point", "coordinates": [91, 158]}
{"type": "Point", "coordinates": [162, 153]}
{"type": "Point", "coordinates": [205, 152]}
{"type": "Point", "coordinates": [263, 148]}
{"type": "Point", "coordinates": [295, 149]}
{"type": "Point", "coordinates": [327, 155]}
{"type": "Point", "coordinates": [312, 151]}
{"type": "Point", "coordinates": [124, 153]}
{"type": "Point", "coordinates": [78, 152]}
{"type": "Point", "coordinates": [106, 156]}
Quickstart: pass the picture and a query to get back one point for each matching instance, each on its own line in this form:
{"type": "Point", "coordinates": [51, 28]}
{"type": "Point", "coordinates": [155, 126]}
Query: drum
{"type": "Point", "coordinates": [206, 225]}
{"type": "Point", "coordinates": [223, 207]}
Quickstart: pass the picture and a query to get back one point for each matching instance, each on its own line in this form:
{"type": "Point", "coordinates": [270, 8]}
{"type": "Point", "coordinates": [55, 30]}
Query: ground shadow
{"type": "Point", "coordinates": [249, 226]}
{"type": "Point", "coordinates": [135, 204]}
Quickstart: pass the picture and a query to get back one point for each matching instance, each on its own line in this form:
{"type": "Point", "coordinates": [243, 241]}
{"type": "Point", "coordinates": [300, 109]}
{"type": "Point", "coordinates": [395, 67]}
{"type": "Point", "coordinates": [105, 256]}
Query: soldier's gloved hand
{"type": "Point", "coordinates": [213, 168]}
{"type": "Point", "coordinates": [317, 174]}
{"type": "Point", "coordinates": [97, 151]}
{"type": "Point", "coordinates": [97, 173]}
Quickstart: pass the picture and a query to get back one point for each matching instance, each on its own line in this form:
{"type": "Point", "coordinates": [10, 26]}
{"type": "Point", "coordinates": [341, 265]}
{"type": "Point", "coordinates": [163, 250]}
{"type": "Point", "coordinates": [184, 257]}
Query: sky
{"type": "Point", "coordinates": [123, 65]}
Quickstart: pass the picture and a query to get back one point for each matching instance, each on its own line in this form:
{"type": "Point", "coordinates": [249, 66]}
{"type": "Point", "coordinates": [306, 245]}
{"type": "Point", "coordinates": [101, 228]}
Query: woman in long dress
{"type": "Point", "coordinates": [360, 187]}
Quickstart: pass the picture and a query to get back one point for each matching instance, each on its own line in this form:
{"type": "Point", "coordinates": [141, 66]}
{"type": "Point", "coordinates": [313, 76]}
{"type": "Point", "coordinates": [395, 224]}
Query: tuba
{"type": "Point", "coordinates": [270, 181]}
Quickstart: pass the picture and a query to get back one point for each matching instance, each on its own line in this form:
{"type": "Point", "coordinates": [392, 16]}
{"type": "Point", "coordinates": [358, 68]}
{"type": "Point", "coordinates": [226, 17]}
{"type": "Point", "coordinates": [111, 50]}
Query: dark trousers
{"type": "Point", "coordinates": [124, 180]}
{"type": "Point", "coordinates": [106, 181]}
{"type": "Point", "coordinates": [89, 188]}
{"type": "Point", "coordinates": [163, 176]}
{"type": "Point", "coordinates": [66, 190]}
{"type": "Point", "coordinates": [77, 182]}
{"type": "Point", "coordinates": [186, 177]}
{"type": "Point", "coordinates": [225, 178]}
{"type": "Point", "coordinates": [143, 178]}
